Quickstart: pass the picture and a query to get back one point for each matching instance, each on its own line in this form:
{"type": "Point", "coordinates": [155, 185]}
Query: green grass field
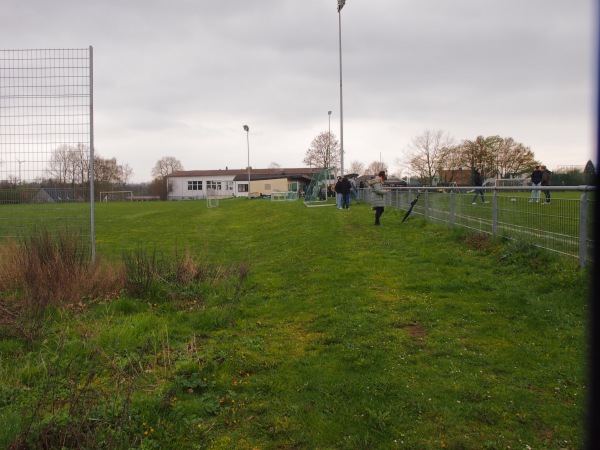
{"type": "Point", "coordinates": [343, 335]}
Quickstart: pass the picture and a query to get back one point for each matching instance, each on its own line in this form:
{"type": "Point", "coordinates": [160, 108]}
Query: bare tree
{"type": "Point", "coordinates": [427, 154]}
{"type": "Point", "coordinates": [59, 166]}
{"type": "Point", "coordinates": [166, 166]}
{"type": "Point", "coordinates": [127, 172]}
{"type": "Point", "coordinates": [356, 167]}
{"type": "Point", "coordinates": [274, 165]}
{"type": "Point", "coordinates": [376, 167]}
{"type": "Point", "coordinates": [324, 151]}
{"type": "Point", "coordinates": [163, 168]}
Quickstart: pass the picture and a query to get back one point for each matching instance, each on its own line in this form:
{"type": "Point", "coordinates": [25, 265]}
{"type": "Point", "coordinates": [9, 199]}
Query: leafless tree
{"type": "Point", "coordinates": [427, 154]}
{"type": "Point", "coordinates": [166, 166]}
{"type": "Point", "coordinates": [163, 168]}
{"type": "Point", "coordinates": [324, 151]}
{"type": "Point", "coordinates": [376, 167]}
{"type": "Point", "coordinates": [356, 167]}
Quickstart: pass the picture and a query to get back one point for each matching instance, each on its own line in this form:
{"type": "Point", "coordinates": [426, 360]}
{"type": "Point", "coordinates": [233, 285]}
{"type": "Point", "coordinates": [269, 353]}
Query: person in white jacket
{"type": "Point", "coordinates": [378, 195]}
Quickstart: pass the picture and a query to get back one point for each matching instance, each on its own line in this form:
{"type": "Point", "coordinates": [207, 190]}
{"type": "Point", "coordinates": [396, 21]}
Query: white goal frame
{"type": "Point", "coordinates": [212, 198]}
{"type": "Point", "coordinates": [284, 196]}
{"type": "Point", "coordinates": [125, 196]}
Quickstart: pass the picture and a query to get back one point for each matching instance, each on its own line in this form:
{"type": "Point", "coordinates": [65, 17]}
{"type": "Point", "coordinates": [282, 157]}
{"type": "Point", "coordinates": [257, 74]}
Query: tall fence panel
{"type": "Point", "coordinates": [563, 225]}
{"type": "Point", "coordinates": [46, 142]}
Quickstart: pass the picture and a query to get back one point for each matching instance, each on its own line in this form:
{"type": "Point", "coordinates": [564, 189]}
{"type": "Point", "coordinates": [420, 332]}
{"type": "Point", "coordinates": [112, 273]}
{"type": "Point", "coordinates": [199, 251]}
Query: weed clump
{"type": "Point", "coordinates": [47, 270]}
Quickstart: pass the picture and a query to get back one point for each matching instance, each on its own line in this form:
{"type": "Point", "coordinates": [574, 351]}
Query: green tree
{"type": "Point", "coordinates": [589, 173]}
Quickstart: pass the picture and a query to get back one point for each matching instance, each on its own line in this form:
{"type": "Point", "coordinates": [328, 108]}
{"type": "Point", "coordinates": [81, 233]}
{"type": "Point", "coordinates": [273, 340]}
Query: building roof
{"type": "Point", "coordinates": [262, 173]}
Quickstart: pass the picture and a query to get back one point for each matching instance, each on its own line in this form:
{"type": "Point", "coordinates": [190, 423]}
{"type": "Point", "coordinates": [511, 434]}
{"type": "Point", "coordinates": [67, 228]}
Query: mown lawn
{"type": "Point", "coordinates": [342, 335]}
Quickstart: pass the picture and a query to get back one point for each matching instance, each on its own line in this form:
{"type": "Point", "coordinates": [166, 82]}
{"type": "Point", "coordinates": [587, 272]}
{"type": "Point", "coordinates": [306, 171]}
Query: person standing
{"type": "Point", "coordinates": [378, 195]}
{"type": "Point", "coordinates": [342, 187]}
{"type": "Point", "coordinates": [478, 182]}
{"type": "Point", "coordinates": [546, 181]}
{"type": "Point", "coordinates": [338, 194]}
{"type": "Point", "coordinates": [353, 190]}
{"type": "Point", "coordinates": [536, 180]}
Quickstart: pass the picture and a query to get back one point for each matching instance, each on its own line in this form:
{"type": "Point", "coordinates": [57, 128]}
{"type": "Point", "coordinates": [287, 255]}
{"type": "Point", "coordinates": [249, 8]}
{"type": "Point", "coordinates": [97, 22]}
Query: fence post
{"type": "Point", "coordinates": [583, 228]}
{"type": "Point", "coordinates": [495, 213]}
{"type": "Point", "coordinates": [427, 204]}
{"type": "Point", "coordinates": [451, 218]}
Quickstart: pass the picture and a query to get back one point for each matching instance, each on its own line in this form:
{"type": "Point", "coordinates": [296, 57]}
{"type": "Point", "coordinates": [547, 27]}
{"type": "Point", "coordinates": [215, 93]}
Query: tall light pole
{"type": "Point", "coordinates": [247, 130]}
{"type": "Point", "coordinates": [329, 142]}
{"type": "Point", "coordinates": [341, 4]}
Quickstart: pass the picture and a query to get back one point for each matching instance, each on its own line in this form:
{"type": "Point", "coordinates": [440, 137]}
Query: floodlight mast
{"type": "Point", "coordinates": [341, 4]}
{"type": "Point", "coordinates": [247, 130]}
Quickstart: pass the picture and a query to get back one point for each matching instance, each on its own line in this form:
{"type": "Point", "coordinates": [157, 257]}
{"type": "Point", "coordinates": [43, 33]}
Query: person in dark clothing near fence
{"type": "Point", "coordinates": [546, 181]}
{"type": "Point", "coordinates": [478, 181]}
{"type": "Point", "coordinates": [536, 180]}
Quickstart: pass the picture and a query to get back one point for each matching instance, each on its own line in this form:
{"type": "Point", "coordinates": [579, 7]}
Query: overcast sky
{"type": "Point", "coordinates": [180, 78]}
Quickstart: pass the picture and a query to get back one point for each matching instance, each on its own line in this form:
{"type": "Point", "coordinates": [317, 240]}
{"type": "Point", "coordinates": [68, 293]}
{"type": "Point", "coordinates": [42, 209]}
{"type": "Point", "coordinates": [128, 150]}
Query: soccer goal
{"type": "Point", "coordinates": [316, 192]}
{"type": "Point", "coordinates": [116, 196]}
{"type": "Point", "coordinates": [212, 199]}
{"type": "Point", "coordinates": [284, 196]}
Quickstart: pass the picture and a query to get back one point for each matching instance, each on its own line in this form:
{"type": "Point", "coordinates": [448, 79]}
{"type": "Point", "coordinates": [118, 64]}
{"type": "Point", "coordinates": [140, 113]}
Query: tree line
{"type": "Point", "coordinates": [434, 157]}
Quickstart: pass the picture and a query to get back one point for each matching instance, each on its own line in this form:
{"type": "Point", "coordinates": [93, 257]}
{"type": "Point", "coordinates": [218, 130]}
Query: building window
{"type": "Point", "coordinates": [229, 185]}
{"type": "Point", "coordinates": [216, 185]}
{"type": "Point", "coordinates": [194, 185]}
{"type": "Point", "coordinates": [242, 188]}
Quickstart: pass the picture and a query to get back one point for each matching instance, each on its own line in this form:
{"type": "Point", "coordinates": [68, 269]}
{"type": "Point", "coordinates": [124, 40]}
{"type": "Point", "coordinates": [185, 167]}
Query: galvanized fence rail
{"type": "Point", "coordinates": [563, 226]}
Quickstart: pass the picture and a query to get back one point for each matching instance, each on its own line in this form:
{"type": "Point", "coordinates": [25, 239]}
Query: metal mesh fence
{"type": "Point", "coordinates": [46, 141]}
{"type": "Point", "coordinates": [564, 225]}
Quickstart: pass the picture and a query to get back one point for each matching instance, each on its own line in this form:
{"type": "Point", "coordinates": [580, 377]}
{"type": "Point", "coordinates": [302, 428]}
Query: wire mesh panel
{"type": "Point", "coordinates": [46, 141]}
{"type": "Point", "coordinates": [563, 225]}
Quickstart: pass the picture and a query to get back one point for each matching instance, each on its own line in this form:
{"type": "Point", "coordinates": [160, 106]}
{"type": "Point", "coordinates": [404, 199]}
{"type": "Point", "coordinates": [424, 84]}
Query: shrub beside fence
{"type": "Point", "coordinates": [563, 226]}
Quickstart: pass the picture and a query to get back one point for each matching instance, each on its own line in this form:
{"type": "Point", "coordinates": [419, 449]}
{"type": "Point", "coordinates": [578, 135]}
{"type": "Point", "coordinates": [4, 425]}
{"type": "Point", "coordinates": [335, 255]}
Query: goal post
{"type": "Point", "coordinates": [212, 198]}
{"type": "Point", "coordinates": [116, 196]}
{"type": "Point", "coordinates": [284, 196]}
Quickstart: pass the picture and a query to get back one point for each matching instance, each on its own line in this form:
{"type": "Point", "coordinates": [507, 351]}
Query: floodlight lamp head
{"type": "Point", "coordinates": [246, 128]}
{"type": "Point", "coordinates": [329, 112]}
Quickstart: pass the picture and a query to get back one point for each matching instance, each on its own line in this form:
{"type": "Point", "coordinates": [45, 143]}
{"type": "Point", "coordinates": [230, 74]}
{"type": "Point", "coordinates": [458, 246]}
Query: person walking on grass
{"type": "Point", "coordinates": [546, 181]}
{"type": "Point", "coordinates": [378, 195]}
{"type": "Point", "coordinates": [536, 180]}
{"type": "Point", "coordinates": [478, 182]}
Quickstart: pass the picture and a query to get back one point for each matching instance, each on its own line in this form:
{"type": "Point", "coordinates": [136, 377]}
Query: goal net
{"type": "Point", "coordinates": [212, 198]}
{"type": "Point", "coordinates": [284, 196]}
{"type": "Point", "coordinates": [316, 192]}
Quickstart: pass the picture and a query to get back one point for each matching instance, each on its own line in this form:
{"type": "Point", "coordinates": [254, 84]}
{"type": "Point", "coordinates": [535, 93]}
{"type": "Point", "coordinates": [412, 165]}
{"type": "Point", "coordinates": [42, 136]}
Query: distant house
{"type": "Point", "coordinates": [194, 184]}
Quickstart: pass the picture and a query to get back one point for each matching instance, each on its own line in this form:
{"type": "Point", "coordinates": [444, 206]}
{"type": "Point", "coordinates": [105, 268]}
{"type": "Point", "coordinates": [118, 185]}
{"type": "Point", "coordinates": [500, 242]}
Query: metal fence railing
{"type": "Point", "coordinates": [564, 225]}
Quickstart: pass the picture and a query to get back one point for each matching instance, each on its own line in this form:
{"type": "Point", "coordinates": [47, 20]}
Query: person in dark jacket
{"type": "Point", "coordinates": [343, 187]}
{"type": "Point", "coordinates": [546, 181]}
{"type": "Point", "coordinates": [536, 180]}
{"type": "Point", "coordinates": [478, 181]}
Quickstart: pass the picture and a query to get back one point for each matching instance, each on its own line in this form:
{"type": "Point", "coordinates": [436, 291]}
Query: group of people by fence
{"type": "Point", "coordinates": [540, 176]}
{"type": "Point", "coordinates": [345, 190]}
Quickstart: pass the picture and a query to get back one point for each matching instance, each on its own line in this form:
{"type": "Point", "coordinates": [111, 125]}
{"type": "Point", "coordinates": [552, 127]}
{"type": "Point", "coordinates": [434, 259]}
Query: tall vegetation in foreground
{"type": "Point", "coordinates": [280, 326]}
